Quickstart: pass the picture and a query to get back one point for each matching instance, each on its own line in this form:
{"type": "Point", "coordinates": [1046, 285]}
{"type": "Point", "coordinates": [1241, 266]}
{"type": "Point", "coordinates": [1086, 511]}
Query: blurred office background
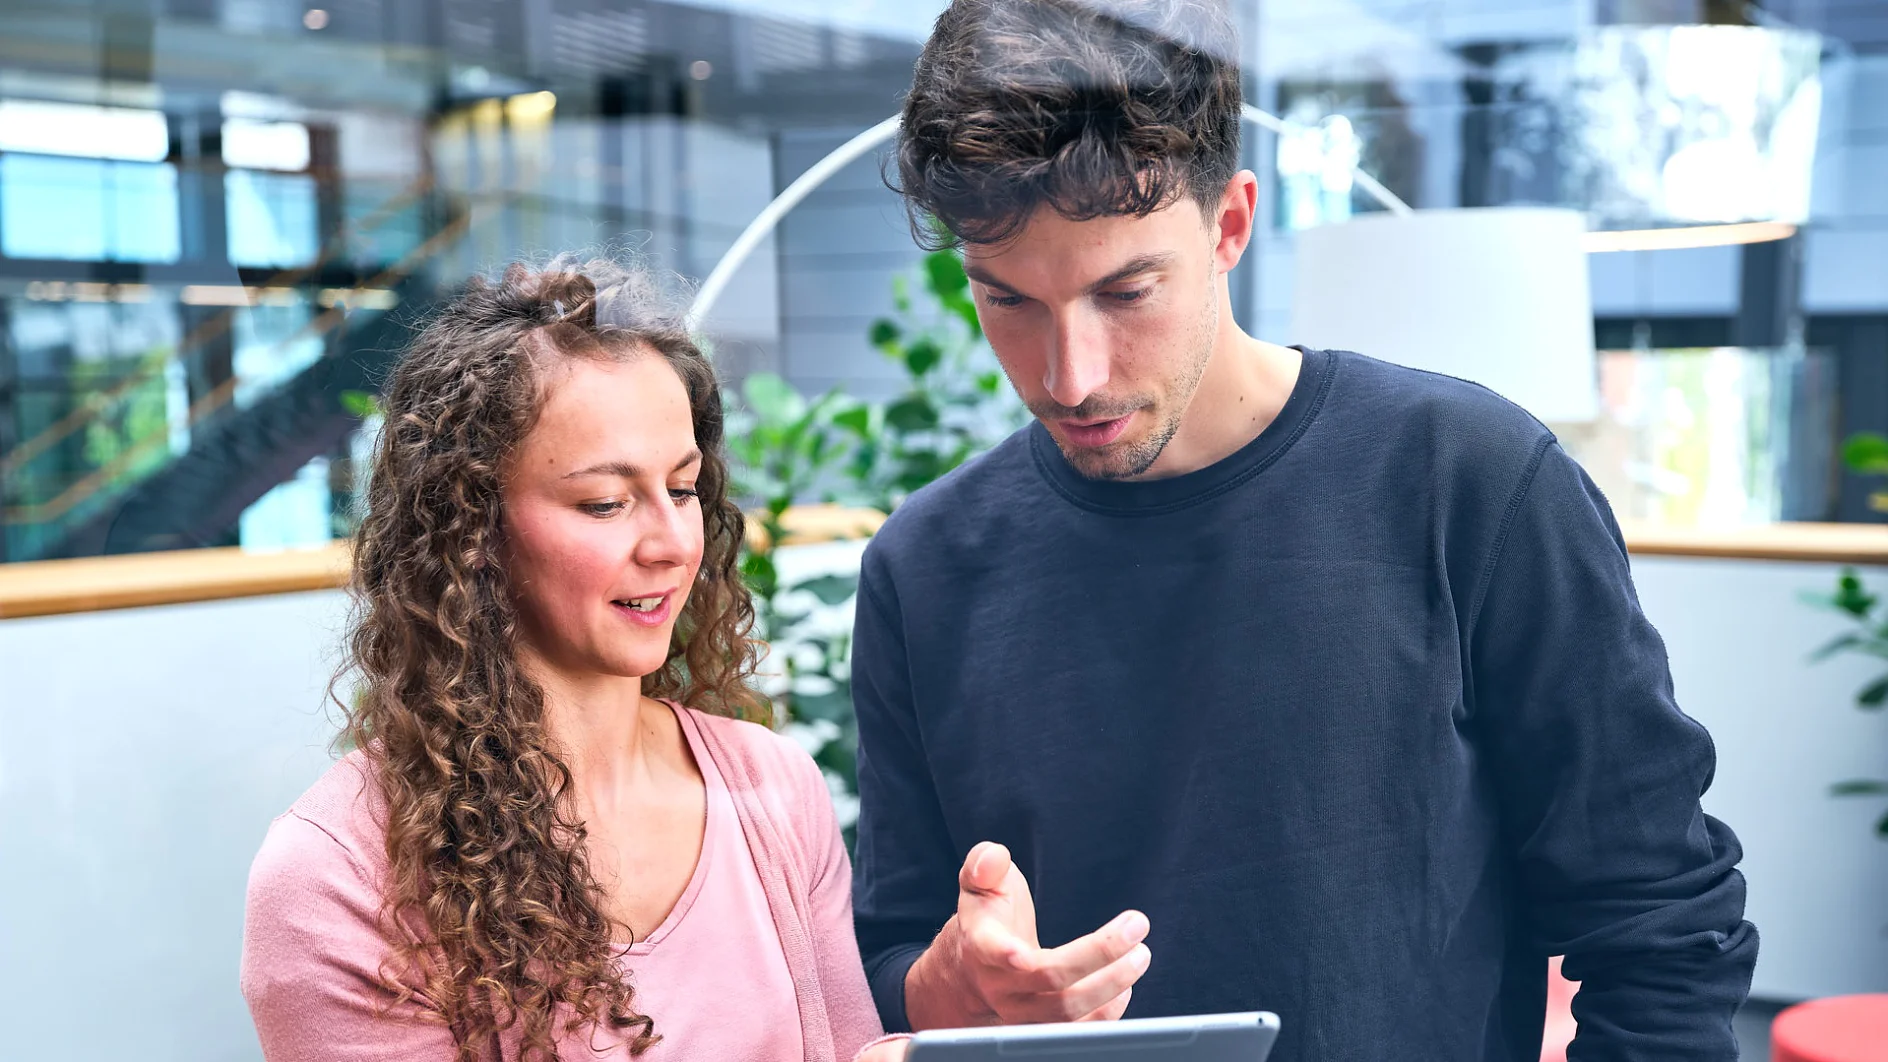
{"type": "Point", "coordinates": [219, 220]}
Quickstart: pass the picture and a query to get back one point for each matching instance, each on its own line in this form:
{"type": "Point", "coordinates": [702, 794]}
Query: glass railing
{"type": "Point", "coordinates": [149, 416]}
{"type": "Point", "coordinates": [1714, 437]}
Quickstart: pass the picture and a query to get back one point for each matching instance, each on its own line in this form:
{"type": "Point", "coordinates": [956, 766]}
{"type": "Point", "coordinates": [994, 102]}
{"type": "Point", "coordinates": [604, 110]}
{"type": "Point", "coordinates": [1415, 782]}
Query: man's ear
{"type": "Point", "coordinates": [1232, 228]}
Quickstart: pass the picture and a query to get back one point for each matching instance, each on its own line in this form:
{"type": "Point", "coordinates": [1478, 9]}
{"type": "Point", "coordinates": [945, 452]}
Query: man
{"type": "Point", "coordinates": [1319, 685]}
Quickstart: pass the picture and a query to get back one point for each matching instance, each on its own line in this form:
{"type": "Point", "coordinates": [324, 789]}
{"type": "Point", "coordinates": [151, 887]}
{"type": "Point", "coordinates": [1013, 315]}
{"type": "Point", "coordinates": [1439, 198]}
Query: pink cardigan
{"type": "Point", "coordinates": [312, 942]}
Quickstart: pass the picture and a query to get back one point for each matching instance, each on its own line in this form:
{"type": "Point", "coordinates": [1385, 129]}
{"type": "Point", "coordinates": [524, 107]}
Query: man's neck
{"type": "Point", "coordinates": [1245, 386]}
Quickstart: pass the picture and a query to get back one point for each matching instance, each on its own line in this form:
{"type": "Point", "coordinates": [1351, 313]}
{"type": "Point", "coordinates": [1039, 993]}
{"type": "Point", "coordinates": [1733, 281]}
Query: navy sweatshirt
{"type": "Point", "coordinates": [1365, 717]}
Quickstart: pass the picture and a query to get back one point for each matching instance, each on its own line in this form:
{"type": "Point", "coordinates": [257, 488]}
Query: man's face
{"type": "Point", "coordinates": [1105, 326]}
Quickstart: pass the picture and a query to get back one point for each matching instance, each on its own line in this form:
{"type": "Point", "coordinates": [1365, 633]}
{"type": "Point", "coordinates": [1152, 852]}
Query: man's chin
{"type": "Point", "coordinates": [1122, 459]}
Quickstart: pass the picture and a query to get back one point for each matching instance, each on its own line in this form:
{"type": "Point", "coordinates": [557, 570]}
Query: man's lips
{"type": "Point", "coordinates": [1095, 432]}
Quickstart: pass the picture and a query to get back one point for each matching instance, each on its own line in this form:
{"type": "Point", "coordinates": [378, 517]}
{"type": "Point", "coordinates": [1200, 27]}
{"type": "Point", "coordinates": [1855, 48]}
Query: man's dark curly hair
{"type": "Point", "coordinates": [1094, 107]}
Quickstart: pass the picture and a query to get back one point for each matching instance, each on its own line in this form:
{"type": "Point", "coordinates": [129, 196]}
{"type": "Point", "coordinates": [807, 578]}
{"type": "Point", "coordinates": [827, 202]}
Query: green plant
{"type": "Point", "coordinates": [953, 405]}
{"type": "Point", "coordinates": [788, 449]}
{"type": "Point", "coordinates": [1870, 637]}
{"type": "Point", "coordinates": [783, 447]}
{"type": "Point", "coordinates": [1866, 453]}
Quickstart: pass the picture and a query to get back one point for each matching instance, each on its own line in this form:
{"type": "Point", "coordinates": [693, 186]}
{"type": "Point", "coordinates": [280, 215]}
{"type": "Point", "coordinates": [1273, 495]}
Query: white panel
{"type": "Point", "coordinates": [1498, 296]}
{"type": "Point", "coordinates": [143, 754]}
{"type": "Point", "coordinates": [1739, 638]}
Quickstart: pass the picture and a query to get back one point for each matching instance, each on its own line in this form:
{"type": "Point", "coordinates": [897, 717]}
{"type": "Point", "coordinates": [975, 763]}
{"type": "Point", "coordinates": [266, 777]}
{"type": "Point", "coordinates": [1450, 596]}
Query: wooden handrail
{"type": "Point", "coordinates": [94, 584]}
{"type": "Point", "coordinates": [90, 584]}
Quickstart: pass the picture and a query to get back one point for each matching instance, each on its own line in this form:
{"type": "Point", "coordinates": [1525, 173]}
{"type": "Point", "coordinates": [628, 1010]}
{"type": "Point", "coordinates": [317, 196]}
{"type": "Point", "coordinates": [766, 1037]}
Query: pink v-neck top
{"type": "Point", "coordinates": [716, 976]}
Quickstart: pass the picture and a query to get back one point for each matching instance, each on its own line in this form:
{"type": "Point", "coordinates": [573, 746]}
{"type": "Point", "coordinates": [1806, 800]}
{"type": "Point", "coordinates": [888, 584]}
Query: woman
{"type": "Point", "coordinates": [557, 837]}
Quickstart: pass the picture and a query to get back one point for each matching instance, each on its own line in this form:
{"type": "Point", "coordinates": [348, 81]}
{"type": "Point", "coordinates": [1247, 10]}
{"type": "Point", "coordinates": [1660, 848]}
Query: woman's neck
{"type": "Point", "coordinates": [616, 742]}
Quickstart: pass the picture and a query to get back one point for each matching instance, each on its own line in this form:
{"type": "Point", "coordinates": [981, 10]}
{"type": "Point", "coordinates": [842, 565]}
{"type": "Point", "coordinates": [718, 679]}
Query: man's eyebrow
{"type": "Point", "coordinates": [625, 470]}
{"type": "Point", "coordinates": [982, 276]}
{"type": "Point", "coordinates": [1140, 263]}
{"type": "Point", "coordinates": [1135, 266]}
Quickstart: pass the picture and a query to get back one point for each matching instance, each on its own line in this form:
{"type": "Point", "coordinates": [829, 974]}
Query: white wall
{"type": "Point", "coordinates": [144, 752]}
{"type": "Point", "coordinates": [1738, 635]}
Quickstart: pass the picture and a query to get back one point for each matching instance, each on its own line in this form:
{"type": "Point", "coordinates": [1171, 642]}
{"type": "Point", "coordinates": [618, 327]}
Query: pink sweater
{"type": "Point", "coordinates": [312, 944]}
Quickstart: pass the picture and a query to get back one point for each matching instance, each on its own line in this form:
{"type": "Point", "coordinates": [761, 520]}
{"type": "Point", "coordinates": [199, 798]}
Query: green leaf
{"type": "Point", "coordinates": [911, 413]}
{"type": "Point", "coordinates": [1866, 452]}
{"type": "Point", "coordinates": [761, 577]}
{"type": "Point", "coordinates": [883, 333]}
{"type": "Point", "coordinates": [901, 294]}
{"type": "Point", "coordinates": [831, 589]}
{"type": "Point", "coordinates": [857, 420]}
{"type": "Point", "coordinates": [835, 706]}
{"type": "Point", "coordinates": [966, 312]}
{"type": "Point", "coordinates": [944, 274]}
{"type": "Point", "coordinates": [920, 469]}
{"type": "Point", "coordinates": [990, 382]}
{"type": "Point", "coordinates": [1860, 787]}
{"type": "Point", "coordinates": [362, 404]}
{"type": "Point", "coordinates": [1851, 597]}
{"type": "Point", "coordinates": [1874, 694]}
{"type": "Point", "coordinates": [1847, 641]}
{"type": "Point", "coordinates": [841, 758]}
{"type": "Point", "coordinates": [922, 356]}
{"type": "Point", "coordinates": [773, 398]}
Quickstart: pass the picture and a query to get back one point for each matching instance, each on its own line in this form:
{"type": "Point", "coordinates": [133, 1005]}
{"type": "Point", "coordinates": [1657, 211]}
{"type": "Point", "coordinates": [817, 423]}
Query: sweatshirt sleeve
{"type": "Point", "coordinates": [312, 949]}
{"type": "Point", "coordinates": [905, 883]}
{"type": "Point", "coordinates": [1600, 777]}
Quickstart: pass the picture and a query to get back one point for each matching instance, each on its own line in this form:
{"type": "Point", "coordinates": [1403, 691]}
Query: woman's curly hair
{"type": "Point", "coordinates": [492, 910]}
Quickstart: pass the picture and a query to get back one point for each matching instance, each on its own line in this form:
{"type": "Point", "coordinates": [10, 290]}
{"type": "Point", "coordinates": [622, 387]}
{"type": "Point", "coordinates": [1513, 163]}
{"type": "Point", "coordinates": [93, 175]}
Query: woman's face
{"type": "Point", "coordinates": [603, 530]}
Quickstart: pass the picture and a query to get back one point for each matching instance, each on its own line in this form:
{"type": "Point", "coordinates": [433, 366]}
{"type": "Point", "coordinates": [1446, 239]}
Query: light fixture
{"type": "Point", "coordinates": [1670, 126]}
{"type": "Point", "coordinates": [530, 108]}
{"type": "Point", "coordinates": [701, 69]}
{"type": "Point", "coordinates": [1678, 237]}
{"type": "Point", "coordinates": [1497, 295]}
{"type": "Point", "coordinates": [315, 18]}
{"type": "Point", "coordinates": [44, 128]}
{"type": "Point", "coordinates": [254, 145]}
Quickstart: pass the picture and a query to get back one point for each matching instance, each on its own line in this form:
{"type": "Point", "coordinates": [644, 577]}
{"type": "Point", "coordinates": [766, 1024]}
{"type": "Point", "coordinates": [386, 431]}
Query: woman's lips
{"type": "Point", "coordinates": [654, 617]}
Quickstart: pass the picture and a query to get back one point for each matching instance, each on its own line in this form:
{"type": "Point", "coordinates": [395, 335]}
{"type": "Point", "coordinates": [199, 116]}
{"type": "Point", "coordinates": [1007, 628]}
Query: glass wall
{"type": "Point", "coordinates": [256, 189]}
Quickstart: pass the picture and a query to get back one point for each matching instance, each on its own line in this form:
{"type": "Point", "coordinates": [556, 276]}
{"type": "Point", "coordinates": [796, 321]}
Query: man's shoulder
{"type": "Point", "coordinates": [1452, 425]}
{"type": "Point", "coordinates": [1401, 396]}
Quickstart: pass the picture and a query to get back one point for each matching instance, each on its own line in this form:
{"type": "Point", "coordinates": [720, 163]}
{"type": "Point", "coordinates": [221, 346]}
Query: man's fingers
{"type": "Point", "coordinates": [1083, 956]}
{"type": "Point", "coordinates": [1098, 991]}
{"type": "Point", "coordinates": [992, 944]}
{"type": "Point", "coordinates": [1110, 1010]}
{"type": "Point", "coordinates": [984, 868]}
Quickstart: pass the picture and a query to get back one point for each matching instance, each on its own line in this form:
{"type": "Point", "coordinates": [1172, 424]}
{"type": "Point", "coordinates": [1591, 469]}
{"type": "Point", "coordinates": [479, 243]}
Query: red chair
{"type": "Point", "coordinates": [1839, 1029]}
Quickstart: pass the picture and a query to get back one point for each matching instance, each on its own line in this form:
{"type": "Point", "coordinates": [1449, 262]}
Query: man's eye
{"type": "Point", "coordinates": [1003, 300]}
{"type": "Point", "coordinates": [1130, 296]}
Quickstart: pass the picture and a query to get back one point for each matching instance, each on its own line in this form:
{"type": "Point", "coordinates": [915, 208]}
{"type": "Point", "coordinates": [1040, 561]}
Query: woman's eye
{"type": "Point", "coordinates": [608, 508]}
{"type": "Point", "coordinates": [683, 495]}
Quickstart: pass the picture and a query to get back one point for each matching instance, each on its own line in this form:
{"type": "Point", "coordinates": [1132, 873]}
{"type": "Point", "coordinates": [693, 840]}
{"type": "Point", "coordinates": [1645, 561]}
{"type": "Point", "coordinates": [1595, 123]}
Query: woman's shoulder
{"type": "Point", "coordinates": [337, 826]}
{"type": "Point", "coordinates": [761, 755]}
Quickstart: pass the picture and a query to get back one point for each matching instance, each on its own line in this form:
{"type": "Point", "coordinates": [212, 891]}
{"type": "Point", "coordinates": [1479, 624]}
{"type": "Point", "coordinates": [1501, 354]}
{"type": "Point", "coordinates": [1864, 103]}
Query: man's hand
{"type": "Point", "coordinates": [986, 967]}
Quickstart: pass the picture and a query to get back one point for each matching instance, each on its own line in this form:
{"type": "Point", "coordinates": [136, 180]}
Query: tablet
{"type": "Point", "coordinates": [1197, 1038]}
